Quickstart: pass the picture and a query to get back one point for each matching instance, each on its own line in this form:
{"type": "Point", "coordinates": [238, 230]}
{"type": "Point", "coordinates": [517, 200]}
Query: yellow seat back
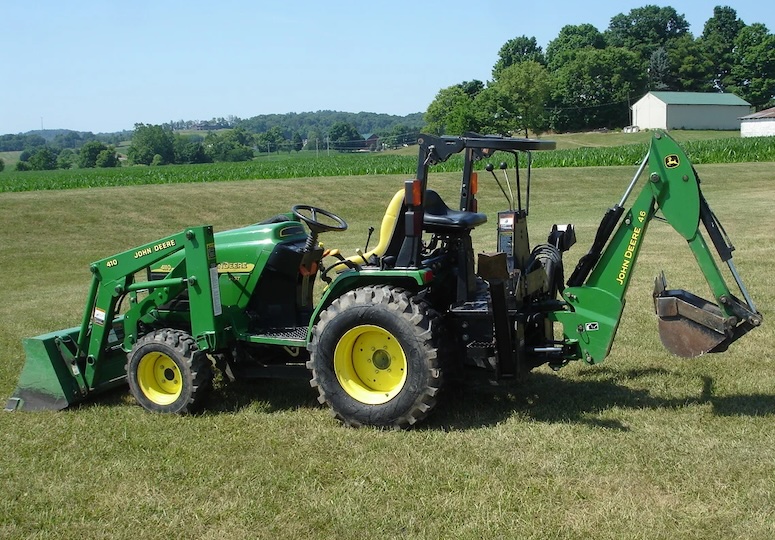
{"type": "Point", "coordinates": [386, 231]}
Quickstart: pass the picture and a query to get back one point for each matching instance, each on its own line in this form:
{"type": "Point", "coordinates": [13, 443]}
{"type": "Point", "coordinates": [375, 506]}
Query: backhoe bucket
{"type": "Point", "coordinates": [690, 326]}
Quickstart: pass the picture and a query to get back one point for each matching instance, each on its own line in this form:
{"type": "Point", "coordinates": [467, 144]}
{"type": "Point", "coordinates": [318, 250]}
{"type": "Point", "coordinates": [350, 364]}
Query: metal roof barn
{"type": "Point", "coordinates": [689, 110]}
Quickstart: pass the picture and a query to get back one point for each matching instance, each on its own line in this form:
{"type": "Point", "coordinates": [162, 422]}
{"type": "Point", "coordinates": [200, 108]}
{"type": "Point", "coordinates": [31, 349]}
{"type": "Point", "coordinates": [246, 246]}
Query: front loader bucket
{"type": "Point", "coordinates": [690, 326]}
{"type": "Point", "coordinates": [54, 376]}
{"type": "Point", "coordinates": [46, 380]}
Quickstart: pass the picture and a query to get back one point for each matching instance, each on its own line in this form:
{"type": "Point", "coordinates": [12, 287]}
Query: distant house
{"type": "Point", "coordinates": [689, 110]}
{"type": "Point", "coordinates": [761, 124]}
{"type": "Point", "coordinates": [371, 141]}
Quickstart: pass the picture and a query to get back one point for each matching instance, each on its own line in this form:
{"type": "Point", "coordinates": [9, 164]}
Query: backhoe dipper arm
{"type": "Point", "coordinates": [689, 325]}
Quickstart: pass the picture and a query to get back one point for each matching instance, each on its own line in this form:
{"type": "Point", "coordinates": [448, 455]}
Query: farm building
{"type": "Point", "coordinates": [761, 124]}
{"type": "Point", "coordinates": [689, 110]}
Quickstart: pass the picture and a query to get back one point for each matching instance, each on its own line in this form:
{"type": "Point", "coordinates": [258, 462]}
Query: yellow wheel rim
{"type": "Point", "coordinates": [158, 376]}
{"type": "Point", "coordinates": [370, 364]}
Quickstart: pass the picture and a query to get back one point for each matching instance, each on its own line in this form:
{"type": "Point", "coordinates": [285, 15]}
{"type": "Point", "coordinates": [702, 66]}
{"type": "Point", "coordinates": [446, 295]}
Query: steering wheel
{"type": "Point", "coordinates": [309, 215]}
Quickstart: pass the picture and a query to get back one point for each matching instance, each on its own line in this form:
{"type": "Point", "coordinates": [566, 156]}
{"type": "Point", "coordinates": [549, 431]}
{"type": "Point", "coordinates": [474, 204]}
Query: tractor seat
{"type": "Point", "coordinates": [439, 218]}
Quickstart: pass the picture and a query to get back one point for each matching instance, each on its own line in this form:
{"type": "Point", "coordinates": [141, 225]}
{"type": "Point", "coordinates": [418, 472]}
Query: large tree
{"type": "Point", "coordinates": [87, 155]}
{"type": "Point", "coordinates": [595, 89]}
{"type": "Point", "coordinates": [232, 145]}
{"type": "Point", "coordinates": [190, 149]}
{"type": "Point", "coordinates": [690, 66]}
{"type": "Point", "coordinates": [345, 137]}
{"type": "Point", "coordinates": [149, 141]}
{"type": "Point", "coordinates": [516, 50]}
{"type": "Point", "coordinates": [516, 101]}
{"type": "Point", "coordinates": [570, 40]}
{"type": "Point", "coordinates": [43, 159]}
{"type": "Point", "coordinates": [753, 71]}
{"type": "Point", "coordinates": [718, 41]}
{"type": "Point", "coordinates": [644, 30]}
{"type": "Point", "coordinates": [451, 112]}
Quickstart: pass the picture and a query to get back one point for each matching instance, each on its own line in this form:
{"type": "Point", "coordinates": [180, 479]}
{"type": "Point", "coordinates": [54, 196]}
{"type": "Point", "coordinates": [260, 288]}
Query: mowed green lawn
{"type": "Point", "coordinates": [643, 446]}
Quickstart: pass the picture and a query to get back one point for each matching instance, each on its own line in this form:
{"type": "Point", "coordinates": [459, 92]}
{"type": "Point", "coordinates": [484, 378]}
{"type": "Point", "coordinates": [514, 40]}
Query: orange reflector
{"type": "Point", "coordinates": [474, 183]}
{"type": "Point", "coordinates": [416, 192]}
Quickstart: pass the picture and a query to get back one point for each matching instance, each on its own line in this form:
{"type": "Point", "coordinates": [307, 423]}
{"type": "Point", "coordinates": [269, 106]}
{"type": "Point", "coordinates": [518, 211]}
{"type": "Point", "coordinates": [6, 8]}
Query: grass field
{"type": "Point", "coordinates": [644, 446]}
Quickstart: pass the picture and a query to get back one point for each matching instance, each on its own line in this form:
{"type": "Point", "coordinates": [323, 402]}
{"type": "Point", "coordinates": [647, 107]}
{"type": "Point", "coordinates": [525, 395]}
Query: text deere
{"type": "Point", "coordinates": [156, 248]}
{"type": "Point", "coordinates": [628, 253]}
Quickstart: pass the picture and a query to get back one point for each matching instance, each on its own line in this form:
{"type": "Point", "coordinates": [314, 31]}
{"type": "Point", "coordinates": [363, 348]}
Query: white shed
{"type": "Point", "coordinates": [761, 124]}
{"type": "Point", "coordinates": [689, 110]}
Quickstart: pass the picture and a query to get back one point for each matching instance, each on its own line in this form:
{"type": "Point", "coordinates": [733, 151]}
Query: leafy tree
{"type": "Point", "coordinates": [66, 159]}
{"type": "Point", "coordinates": [754, 67]}
{"type": "Point", "coordinates": [234, 145]}
{"type": "Point", "coordinates": [149, 141]}
{"type": "Point", "coordinates": [2, 165]}
{"type": "Point", "coordinates": [690, 66]}
{"type": "Point", "coordinates": [472, 87]}
{"type": "Point", "coordinates": [190, 149]}
{"type": "Point", "coordinates": [44, 159]}
{"type": "Point", "coordinates": [659, 73]}
{"type": "Point", "coordinates": [594, 90]}
{"type": "Point", "coordinates": [644, 30]}
{"type": "Point", "coordinates": [296, 141]}
{"type": "Point", "coordinates": [401, 134]}
{"type": "Point", "coordinates": [345, 137]}
{"type": "Point", "coordinates": [448, 112]}
{"type": "Point", "coordinates": [107, 158]}
{"type": "Point", "coordinates": [271, 140]}
{"type": "Point", "coordinates": [516, 50]}
{"type": "Point", "coordinates": [516, 101]}
{"type": "Point", "coordinates": [87, 156]}
{"type": "Point", "coordinates": [718, 41]}
{"type": "Point", "coordinates": [571, 39]}
{"type": "Point", "coordinates": [23, 166]}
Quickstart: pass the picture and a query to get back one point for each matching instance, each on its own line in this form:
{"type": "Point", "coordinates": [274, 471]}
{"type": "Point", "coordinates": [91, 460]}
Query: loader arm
{"type": "Point", "coordinates": [65, 367]}
{"type": "Point", "coordinates": [689, 325]}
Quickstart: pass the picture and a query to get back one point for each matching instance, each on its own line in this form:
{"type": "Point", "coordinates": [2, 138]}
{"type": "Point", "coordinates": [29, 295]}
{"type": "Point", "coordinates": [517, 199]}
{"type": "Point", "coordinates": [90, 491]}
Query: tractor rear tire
{"type": "Point", "coordinates": [374, 358]}
{"type": "Point", "coordinates": [168, 373]}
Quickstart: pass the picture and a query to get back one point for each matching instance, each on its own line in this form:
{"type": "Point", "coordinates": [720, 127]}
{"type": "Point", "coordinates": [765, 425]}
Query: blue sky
{"type": "Point", "coordinates": [103, 66]}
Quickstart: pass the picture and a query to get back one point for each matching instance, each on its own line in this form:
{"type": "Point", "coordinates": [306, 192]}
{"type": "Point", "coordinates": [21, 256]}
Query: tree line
{"type": "Point", "coordinates": [234, 139]}
{"type": "Point", "coordinates": [588, 79]}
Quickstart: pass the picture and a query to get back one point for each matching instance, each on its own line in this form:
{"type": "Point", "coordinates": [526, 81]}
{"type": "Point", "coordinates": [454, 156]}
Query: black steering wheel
{"type": "Point", "coordinates": [309, 215]}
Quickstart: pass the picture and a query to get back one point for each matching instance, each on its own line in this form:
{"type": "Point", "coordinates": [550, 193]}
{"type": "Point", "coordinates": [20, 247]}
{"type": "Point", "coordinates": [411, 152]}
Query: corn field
{"type": "Point", "coordinates": [729, 150]}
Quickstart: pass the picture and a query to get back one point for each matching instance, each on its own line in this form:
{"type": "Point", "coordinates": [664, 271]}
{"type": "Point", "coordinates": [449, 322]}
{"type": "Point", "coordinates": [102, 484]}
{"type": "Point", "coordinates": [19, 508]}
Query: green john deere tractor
{"type": "Point", "coordinates": [394, 320]}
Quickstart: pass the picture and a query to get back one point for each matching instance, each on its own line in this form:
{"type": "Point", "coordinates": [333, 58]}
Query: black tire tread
{"type": "Point", "coordinates": [197, 363]}
{"type": "Point", "coordinates": [425, 324]}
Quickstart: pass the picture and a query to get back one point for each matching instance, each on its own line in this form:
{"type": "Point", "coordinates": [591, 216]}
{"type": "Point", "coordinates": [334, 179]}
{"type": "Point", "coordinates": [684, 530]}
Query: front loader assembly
{"type": "Point", "coordinates": [64, 367]}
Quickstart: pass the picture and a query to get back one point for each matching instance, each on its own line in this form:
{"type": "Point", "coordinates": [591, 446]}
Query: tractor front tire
{"type": "Point", "coordinates": [168, 373]}
{"type": "Point", "coordinates": [374, 358]}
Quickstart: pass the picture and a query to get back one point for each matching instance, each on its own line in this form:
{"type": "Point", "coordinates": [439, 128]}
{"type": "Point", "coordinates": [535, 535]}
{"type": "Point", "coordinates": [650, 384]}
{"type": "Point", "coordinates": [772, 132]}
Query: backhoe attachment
{"type": "Point", "coordinates": [689, 325]}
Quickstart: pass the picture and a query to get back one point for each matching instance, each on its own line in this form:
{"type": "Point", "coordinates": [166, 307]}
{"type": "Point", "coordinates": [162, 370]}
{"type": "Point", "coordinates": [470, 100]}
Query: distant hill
{"type": "Point", "coordinates": [303, 123]}
{"type": "Point", "coordinates": [321, 121]}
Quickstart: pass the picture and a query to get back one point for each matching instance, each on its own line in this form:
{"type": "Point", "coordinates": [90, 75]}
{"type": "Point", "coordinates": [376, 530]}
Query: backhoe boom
{"type": "Point", "coordinates": [689, 325]}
